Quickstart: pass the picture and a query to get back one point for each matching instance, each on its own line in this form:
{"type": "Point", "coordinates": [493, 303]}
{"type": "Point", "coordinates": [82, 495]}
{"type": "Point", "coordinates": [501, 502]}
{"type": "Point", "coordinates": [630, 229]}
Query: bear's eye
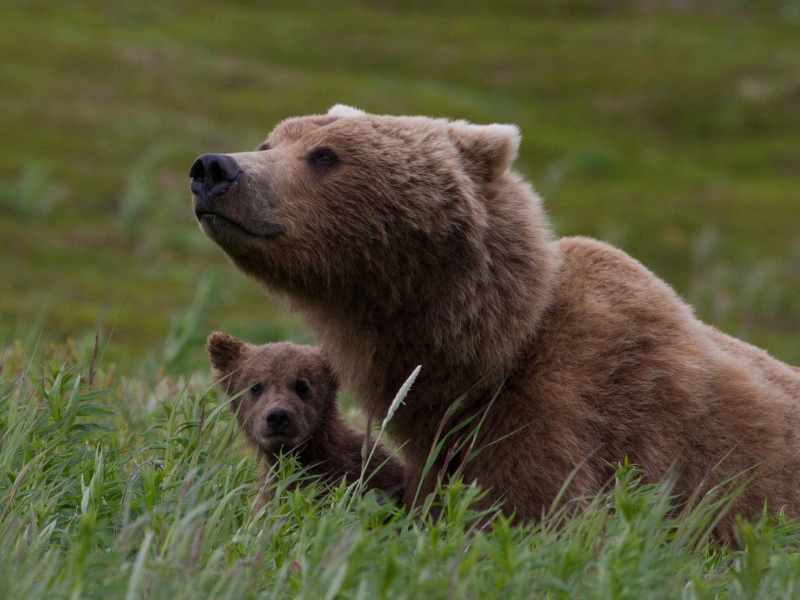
{"type": "Point", "coordinates": [256, 389]}
{"type": "Point", "coordinates": [263, 146]}
{"type": "Point", "coordinates": [323, 157]}
{"type": "Point", "coordinates": [301, 386]}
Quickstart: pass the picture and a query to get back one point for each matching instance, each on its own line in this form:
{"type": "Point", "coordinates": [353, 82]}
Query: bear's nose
{"type": "Point", "coordinates": [213, 175]}
{"type": "Point", "coordinates": [278, 419]}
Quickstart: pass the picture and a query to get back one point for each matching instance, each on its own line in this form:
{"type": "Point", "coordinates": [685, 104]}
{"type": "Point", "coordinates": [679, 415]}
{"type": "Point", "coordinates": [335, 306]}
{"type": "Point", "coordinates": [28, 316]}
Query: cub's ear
{"type": "Point", "coordinates": [331, 377]}
{"type": "Point", "coordinates": [488, 150]}
{"type": "Point", "coordinates": [342, 110]}
{"type": "Point", "coordinates": [224, 352]}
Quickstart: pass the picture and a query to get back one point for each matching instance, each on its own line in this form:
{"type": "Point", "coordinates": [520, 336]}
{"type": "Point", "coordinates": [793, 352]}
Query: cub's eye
{"type": "Point", "coordinates": [301, 386]}
{"type": "Point", "coordinates": [263, 146]}
{"type": "Point", "coordinates": [323, 157]}
{"type": "Point", "coordinates": [256, 389]}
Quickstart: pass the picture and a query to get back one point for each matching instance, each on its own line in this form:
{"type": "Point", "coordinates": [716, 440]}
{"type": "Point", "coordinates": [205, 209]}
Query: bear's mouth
{"type": "Point", "coordinates": [214, 220]}
{"type": "Point", "coordinates": [276, 442]}
{"type": "Point", "coordinates": [220, 227]}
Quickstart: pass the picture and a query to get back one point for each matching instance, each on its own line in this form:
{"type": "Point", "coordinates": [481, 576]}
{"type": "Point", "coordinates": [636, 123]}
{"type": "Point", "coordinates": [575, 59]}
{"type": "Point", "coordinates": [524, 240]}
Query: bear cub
{"type": "Point", "coordinates": [285, 399]}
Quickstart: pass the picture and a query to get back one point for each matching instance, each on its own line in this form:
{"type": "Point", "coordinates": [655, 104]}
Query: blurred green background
{"type": "Point", "coordinates": [668, 128]}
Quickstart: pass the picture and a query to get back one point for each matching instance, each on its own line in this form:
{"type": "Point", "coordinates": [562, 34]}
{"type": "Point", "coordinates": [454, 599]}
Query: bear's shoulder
{"type": "Point", "coordinates": [594, 258]}
{"type": "Point", "coordinates": [599, 273]}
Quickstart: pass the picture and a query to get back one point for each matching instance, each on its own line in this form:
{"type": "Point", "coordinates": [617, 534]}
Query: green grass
{"type": "Point", "coordinates": [113, 488]}
{"type": "Point", "coordinates": [647, 127]}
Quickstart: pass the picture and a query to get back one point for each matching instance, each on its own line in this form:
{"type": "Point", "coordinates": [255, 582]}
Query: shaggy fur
{"type": "Point", "coordinates": [298, 380]}
{"type": "Point", "coordinates": [416, 245]}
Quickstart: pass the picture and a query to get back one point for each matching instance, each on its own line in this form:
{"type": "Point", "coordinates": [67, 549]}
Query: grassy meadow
{"type": "Point", "coordinates": [668, 128]}
{"type": "Point", "coordinates": [673, 134]}
{"type": "Point", "coordinates": [111, 488]}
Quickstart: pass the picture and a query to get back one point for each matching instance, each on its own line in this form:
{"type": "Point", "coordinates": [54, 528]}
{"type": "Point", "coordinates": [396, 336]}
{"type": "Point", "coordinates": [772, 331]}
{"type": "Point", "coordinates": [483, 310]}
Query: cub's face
{"type": "Point", "coordinates": [328, 200]}
{"type": "Point", "coordinates": [281, 393]}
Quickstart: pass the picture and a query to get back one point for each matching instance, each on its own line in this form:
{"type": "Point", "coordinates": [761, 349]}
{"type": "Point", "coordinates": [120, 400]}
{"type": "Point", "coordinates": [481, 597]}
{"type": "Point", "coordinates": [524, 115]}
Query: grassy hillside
{"type": "Point", "coordinates": [670, 132]}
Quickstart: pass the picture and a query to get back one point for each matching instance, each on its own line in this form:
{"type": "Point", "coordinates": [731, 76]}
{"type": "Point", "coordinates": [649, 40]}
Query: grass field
{"type": "Point", "coordinates": [671, 133]}
{"type": "Point", "coordinates": [671, 129]}
{"type": "Point", "coordinates": [110, 488]}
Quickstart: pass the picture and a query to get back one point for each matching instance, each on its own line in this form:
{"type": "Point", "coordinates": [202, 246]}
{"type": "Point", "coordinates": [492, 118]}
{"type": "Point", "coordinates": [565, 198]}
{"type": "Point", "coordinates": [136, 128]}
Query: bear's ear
{"type": "Point", "coordinates": [223, 351]}
{"type": "Point", "coordinates": [333, 378]}
{"type": "Point", "coordinates": [327, 369]}
{"type": "Point", "coordinates": [488, 150]}
{"type": "Point", "coordinates": [342, 110]}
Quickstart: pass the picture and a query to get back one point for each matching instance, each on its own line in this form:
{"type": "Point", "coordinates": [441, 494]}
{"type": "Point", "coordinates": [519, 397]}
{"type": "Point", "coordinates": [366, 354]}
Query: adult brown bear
{"type": "Point", "coordinates": [407, 240]}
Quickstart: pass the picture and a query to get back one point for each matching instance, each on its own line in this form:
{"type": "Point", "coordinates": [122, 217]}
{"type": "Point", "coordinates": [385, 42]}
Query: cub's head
{"type": "Point", "coordinates": [331, 203]}
{"type": "Point", "coordinates": [281, 393]}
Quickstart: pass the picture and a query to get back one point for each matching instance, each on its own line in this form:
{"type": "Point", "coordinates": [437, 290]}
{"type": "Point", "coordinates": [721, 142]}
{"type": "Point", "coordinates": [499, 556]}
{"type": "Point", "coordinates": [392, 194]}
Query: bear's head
{"type": "Point", "coordinates": [329, 202]}
{"type": "Point", "coordinates": [282, 394]}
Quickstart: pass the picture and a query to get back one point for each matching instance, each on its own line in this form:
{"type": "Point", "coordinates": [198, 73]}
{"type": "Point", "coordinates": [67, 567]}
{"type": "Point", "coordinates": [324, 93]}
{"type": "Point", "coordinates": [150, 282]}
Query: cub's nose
{"type": "Point", "coordinates": [278, 419]}
{"type": "Point", "coordinates": [213, 175]}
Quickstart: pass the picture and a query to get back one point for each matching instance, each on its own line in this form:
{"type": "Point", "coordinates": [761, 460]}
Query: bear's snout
{"type": "Point", "coordinates": [233, 218]}
{"type": "Point", "coordinates": [278, 419]}
{"type": "Point", "coordinates": [212, 175]}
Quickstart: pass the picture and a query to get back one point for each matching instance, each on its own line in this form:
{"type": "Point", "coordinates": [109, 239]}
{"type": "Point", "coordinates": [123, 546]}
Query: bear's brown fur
{"type": "Point", "coordinates": [407, 240]}
{"type": "Point", "coordinates": [295, 383]}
